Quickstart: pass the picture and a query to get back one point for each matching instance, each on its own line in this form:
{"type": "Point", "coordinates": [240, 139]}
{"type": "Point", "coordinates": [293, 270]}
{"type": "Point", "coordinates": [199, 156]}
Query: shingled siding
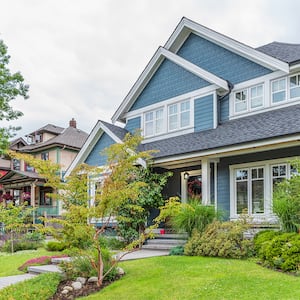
{"type": "Point", "coordinates": [204, 113]}
{"type": "Point", "coordinates": [220, 61]}
{"type": "Point", "coordinates": [96, 158]}
{"type": "Point", "coordinates": [223, 170]}
{"type": "Point", "coordinates": [224, 109]}
{"type": "Point", "coordinates": [133, 124]}
{"type": "Point", "coordinates": [169, 81]}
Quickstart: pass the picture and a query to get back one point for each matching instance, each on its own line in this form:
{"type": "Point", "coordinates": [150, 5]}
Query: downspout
{"type": "Point", "coordinates": [230, 88]}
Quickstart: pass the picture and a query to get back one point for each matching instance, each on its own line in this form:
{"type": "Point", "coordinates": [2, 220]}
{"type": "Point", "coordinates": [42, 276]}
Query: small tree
{"type": "Point", "coordinates": [11, 86]}
{"type": "Point", "coordinates": [15, 219]}
{"type": "Point", "coordinates": [118, 186]}
{"type": "Point", "coordinates": [286, 201]}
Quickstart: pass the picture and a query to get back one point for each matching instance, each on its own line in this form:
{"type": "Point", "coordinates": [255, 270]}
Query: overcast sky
{"type": "Point", "coordinates": [81, 57]}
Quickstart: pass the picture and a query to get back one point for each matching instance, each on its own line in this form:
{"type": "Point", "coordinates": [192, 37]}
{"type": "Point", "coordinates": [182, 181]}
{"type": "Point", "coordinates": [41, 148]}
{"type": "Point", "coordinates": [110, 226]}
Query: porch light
{"type": "Point", "coordinates": [186, 175]}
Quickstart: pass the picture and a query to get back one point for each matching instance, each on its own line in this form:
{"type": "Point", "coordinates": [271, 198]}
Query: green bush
{"type": "Point", "coordinates": [80, 265]}
{"type": "Point", "coordinates": [34, 236]}
{"type": "Point", "coordinates": [194, 215]}
{"type": "Point", "coordinates": [262, 238]}
{"type": "Point", "coordinates": [178, 250]}
{"type": "Point", "coordinates": [286, 201]}
{"type": "Point", "coordinates": [20, 245]}
{"type": "Point", "coordinates": [282, 252]}
{"type": "Point", "coordinates": [55, 246]}
{"type": "Point", "coordinates": [221, 239]}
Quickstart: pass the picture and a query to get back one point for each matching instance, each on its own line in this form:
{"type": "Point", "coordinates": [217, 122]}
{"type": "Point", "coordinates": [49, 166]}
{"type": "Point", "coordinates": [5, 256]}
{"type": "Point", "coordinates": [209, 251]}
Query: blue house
{"type": "Point", "coordinates": [224, 117]}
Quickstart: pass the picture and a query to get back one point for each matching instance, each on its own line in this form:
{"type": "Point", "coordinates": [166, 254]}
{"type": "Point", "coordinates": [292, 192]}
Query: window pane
{"type": "Point", "coordinates": [173, 109]}
{"type": "Point", "coordinates": [173, 122]}
{"type": "Point", "coordinates": [149, 116]}
{"type": "Point", "coordinates": [257, 196]}
{"type": "Point", "coordinates": [278, 97]}
{"type": "Point", "coordinates": [241, 175]}
{"type": "Point", "coordinates": [159, 126]}
{"type": "Point", "coordinates": [242, 196]}
{"type": "Point", "coordinates": [295, 92]}
{"type": "Point", "coordinates": [185, 119]}
{"type": "Point", "coordinates": [149, 129]}
{"type": "Point", "coordinates": [240, 106]}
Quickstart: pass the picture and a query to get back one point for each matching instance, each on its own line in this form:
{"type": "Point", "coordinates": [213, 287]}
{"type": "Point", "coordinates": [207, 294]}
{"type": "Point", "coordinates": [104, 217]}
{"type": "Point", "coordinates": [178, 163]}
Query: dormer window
{"type": "Point", "coordinates": [249, 99]}
{"type": "Point", "coordinates": [295, 86]}
{"type": "Point", "coordinates": [179, 115]}
{"type": "Point", "coordinates": [279, 90]}
{"type": "Point", "coordinates": [154, 122]}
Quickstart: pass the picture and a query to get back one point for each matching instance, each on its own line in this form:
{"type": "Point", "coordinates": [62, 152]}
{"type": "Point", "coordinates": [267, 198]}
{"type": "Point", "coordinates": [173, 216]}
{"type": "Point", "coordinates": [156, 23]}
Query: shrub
{"type": "Point", "coordinates": [282, 252]}
{"type": "Point", "coordinates": [221, 239]}
{"type": "Point", "coordinates": [263, 237]}
{"type": "Point", "coordinates": [34, 236]}
{"type": "Point", "coordinates": [178, 250]}
{"type": "Point", "coordinates": [20, 245]}
{"type": "Point", "coordinates": [80, 265]}
{"type": "Point", "coordinates": [55, 246]}
{"type": "Point", "coordinates": [286, 201]}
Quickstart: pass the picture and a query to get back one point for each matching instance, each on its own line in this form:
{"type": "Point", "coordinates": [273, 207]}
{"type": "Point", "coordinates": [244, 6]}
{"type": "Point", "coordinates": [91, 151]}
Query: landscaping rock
{"type": "Point", "coordinates": [82, 280]}
{"type": "Point", "coordinates": [69, 288]}
{"type": "Point", "coordinates": [92, 279]}
{"type": "Point", "coordinates": [77, 285]}
{"type": "Point", "coordinates": [65, 292]}
{"type": "Point", "coordinates": [120, 271]}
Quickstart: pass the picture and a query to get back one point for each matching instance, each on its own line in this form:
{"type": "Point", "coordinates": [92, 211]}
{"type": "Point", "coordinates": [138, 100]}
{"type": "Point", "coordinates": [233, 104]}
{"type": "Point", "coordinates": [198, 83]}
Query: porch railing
{"type": "Point", "coordinates": [47, 210]}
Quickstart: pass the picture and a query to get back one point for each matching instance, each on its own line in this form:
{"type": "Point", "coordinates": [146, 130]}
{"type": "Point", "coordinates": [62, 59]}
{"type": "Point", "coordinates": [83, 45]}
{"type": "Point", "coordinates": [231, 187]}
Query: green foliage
{"type": "Point", "coordinates": [19, 245]}
{"type": "Point", "coordinates": [281, 252]}
{"type": "Point", "coordinates": [187, 217]}
{"type": "Point", "coordinates": [11, 87]}
{"type": "Point", "coordinates": [39, 288]}
{"type": "Point", "coordinates": [286, 201]}
{"type": "Point", "coordinates": [263, 237]}
{"type": "Point", "coordinates": [220, 239]}
{"type": "Point", "coordinates": [81, 265]}
{"type": "Point", "coordinates": [178, 250]}
{"type": "Point", "coordinates": [34, 236]}
{"type": "Point", "coordinates": [55, 246]}
{"type": "Point", "coordinates": [133, 214]}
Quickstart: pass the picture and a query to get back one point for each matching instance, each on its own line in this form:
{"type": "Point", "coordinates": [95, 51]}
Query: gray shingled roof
{"type": "Point", "coordinates": [267, 125]}
{"type": "Point", "coordinates": [70, 137]}
{"type": "Point", "coordinates": [49, 128]}
{"type": "Point", "coordinates": [118, 131]}
{"type": "Point", "coordinates": [289, 53]}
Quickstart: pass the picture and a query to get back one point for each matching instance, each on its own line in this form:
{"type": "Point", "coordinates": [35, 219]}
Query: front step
{"type": "Point", "coordinates": [165, 242]}
{"type": "Point", "coordinates": [44, 269]}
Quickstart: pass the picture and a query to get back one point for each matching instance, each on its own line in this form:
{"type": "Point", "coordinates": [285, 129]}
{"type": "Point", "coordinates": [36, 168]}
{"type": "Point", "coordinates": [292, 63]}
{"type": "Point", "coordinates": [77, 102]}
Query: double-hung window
{"type": "Point", "coordinates": [179, 115]}
{"type": "Point", "coordinates": [279, 90]}
{"type": "Point", "coordinates": [295, 86]}
{"type": "Point", "coordinates": [153, 123]}
{"type": "Point", "coordinates": [249, 99]}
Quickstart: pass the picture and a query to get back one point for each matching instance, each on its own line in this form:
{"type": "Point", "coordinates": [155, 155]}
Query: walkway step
{"type": "Point", "coordinates": [166, 241]}
{"type": "Point", "coordinates": [9, 280]}
{"type": "Point", "coordinates": [44, 269]}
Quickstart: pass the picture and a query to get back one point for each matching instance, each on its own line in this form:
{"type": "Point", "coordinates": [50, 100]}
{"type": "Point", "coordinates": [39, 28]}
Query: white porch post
{"type": "Point", "coordinates": [205, 168]}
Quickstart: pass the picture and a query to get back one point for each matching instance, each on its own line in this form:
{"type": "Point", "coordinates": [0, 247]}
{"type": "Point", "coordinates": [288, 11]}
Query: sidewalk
{"type": "Point", "coordinates": [6, 281]}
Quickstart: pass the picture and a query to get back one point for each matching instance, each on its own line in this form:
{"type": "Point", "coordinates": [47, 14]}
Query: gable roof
{"type": "Point", "coordinates": [115, 132]}
{"type": "Point", "coordinates": [14, 177]}
{"type": "Point", "coordinates": [289, 53]}
{"type": "Point", "coordinates": [268, 125]}
{"type": "Point", "coordinates": [70, 137]}
{"type": "Point", "coordinates": [48, 128]}
{"type": "Point", "coordinates": [180, 34]}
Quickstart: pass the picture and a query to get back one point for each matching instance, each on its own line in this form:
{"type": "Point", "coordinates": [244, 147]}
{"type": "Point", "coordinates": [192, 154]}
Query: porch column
{"type": "Point", "coordinates": [32, 194]}
{"type": "Point", "coordinates": [205, 168]}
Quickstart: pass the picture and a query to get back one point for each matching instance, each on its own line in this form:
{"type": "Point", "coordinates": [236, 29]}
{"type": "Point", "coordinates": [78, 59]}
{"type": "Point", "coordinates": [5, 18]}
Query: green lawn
{"type": "Point", "coordinates": [173, 278]}
{"type": "Point", "coordinates": [9, 263]}
{"type": "Point", "coordinates": [170, 278]}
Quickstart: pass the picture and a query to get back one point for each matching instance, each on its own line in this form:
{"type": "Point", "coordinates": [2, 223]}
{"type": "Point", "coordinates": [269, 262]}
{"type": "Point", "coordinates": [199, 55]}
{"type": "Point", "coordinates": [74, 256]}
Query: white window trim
{"type": "Point", "coordinates": [179, 115]}
{"type": "Point", "coordinates": [154, 122]}
{"type": "Point", "coordinates": [268, 215]}
{"type": "Point", "coordinates": [248, 99]}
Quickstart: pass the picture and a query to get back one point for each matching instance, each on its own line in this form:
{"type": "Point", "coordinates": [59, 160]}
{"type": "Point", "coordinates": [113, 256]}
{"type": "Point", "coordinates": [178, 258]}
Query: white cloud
{"type": "Point", "coordinates": [82, 57]}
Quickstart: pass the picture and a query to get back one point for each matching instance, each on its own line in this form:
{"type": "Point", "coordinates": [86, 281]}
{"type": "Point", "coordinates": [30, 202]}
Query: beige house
{"type": "Point", "coordinates": [51, 142]}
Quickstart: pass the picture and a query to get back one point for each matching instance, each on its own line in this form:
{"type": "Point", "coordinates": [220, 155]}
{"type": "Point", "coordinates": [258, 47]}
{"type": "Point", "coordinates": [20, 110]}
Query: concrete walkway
{"type": "Point", "coordinates": [6, 281]}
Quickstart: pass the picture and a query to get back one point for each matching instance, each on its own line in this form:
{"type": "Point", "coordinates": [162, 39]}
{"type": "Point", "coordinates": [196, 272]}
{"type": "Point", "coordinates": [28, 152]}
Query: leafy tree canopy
{"type": "Point", "coordinates": [11, 86]}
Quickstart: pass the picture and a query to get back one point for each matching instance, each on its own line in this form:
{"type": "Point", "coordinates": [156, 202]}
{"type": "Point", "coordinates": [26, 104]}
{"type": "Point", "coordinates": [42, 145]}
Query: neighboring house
{"type": "Point", "coordinates": [224, 117]}
{"type": "Point", "coordinates": [60, 145]}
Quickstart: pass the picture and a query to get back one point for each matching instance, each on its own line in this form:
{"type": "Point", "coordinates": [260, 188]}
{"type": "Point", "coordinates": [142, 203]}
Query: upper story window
{"type": "Point", "coordinates": [249, 99]}
{"type": "Point", "coordinates": [45, 155]}
{"type": "Point", "coordinates": [285, 88]}
{"type": "Point", "coordinates": [154, 122]}
{"type": "Point", "coordinates": [179, 115]}
{"type": "Point", "coordinates": [16, 164]}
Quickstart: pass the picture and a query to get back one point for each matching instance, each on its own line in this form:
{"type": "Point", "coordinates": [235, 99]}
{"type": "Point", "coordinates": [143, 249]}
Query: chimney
{"type": "Point", "coordinates": [72, 123]}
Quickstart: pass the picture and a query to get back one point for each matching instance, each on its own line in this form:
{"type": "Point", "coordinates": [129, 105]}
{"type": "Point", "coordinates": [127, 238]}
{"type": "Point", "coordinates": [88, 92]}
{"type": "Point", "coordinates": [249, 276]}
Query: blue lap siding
{"type": "Point", "coordinates": [204, 113]}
